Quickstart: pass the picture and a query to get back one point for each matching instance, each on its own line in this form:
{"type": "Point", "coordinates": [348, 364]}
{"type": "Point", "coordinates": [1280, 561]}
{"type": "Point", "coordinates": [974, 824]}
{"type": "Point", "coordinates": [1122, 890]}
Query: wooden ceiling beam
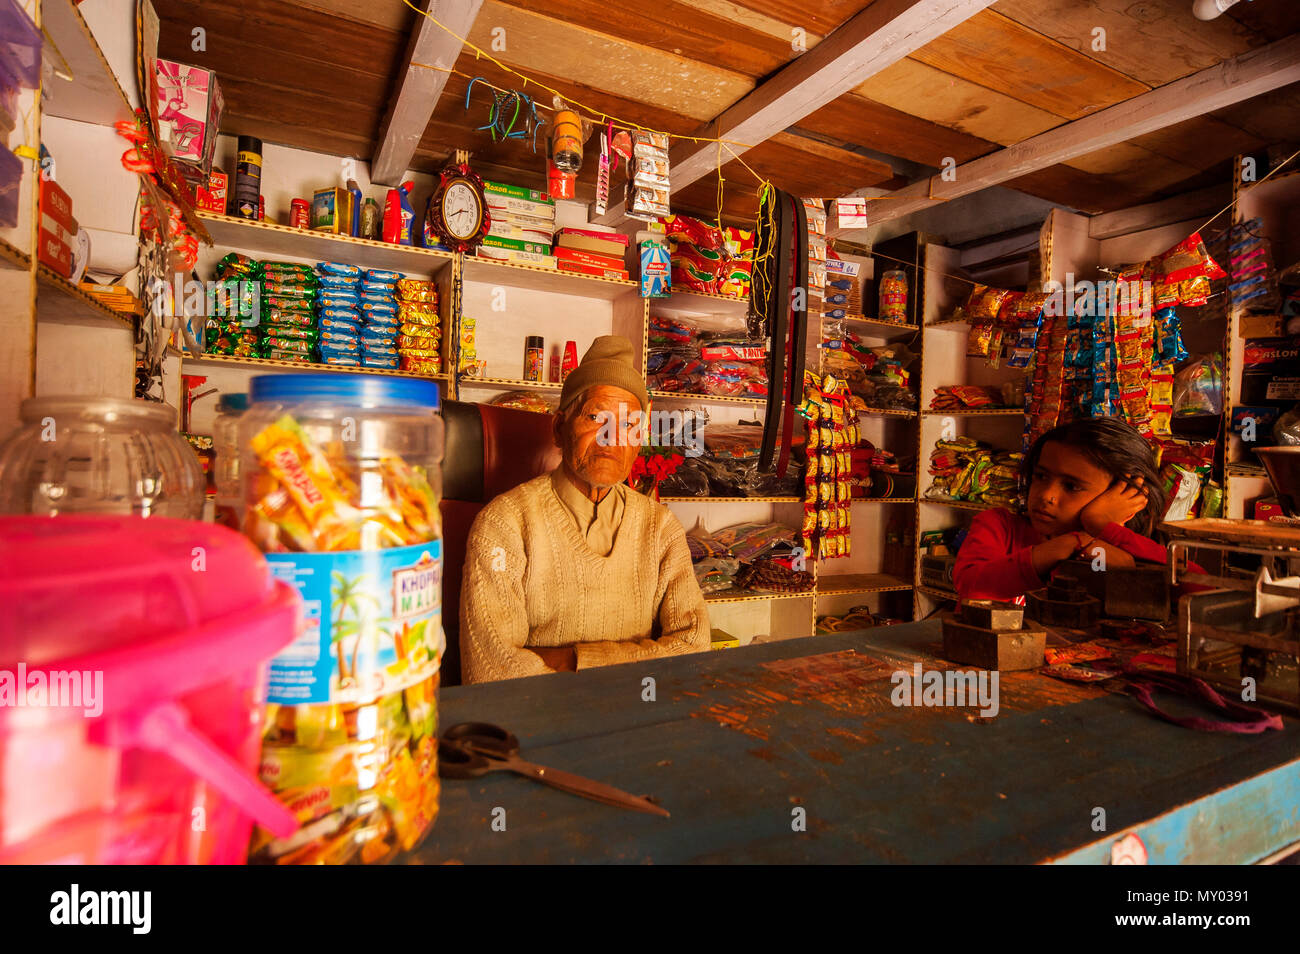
{"type": "Point", "coordinates": [1180, 208]}
{"type": "Point", "coordinates": [419, 88]}
{"type": "Point", "coordinates": [876, 38]}
{"type": "Point", "coordinates": [1240, 78]}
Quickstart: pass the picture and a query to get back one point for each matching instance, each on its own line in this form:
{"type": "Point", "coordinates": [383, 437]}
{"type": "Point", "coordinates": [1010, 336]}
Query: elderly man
{"type": "Point", "coordinates": [574, 569]}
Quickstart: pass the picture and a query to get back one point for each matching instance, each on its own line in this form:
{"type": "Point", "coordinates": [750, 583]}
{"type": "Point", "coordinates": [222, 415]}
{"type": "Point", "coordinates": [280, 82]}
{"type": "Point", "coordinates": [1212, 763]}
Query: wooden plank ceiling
{"type": "Point", "coordinates": [319, 74]}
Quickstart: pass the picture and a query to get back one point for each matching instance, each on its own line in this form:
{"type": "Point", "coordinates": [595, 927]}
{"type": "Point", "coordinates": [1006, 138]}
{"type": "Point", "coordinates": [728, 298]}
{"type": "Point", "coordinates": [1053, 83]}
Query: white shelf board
{"type": "Point", "coordinates": [94, 94]}
{"type": "Point", "coordinates": [269, 239]}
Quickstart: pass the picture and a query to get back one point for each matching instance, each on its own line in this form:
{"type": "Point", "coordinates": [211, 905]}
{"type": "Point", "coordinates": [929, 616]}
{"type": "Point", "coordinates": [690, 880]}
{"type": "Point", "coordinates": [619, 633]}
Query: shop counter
{"type": "Point", "coordinates": [796, 751]}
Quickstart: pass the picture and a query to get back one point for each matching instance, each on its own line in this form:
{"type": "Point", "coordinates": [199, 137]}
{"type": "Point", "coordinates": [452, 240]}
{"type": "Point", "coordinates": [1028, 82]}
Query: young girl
{"type": "Point", "coordinates": [1092, 484]}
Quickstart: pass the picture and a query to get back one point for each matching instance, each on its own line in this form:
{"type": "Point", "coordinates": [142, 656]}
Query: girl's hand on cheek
{"type": "Point", "coordinates": [1119, 503]}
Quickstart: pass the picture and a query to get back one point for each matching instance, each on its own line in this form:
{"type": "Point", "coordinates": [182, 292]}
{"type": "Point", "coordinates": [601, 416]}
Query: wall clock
{"type": "Point", "coordinates": [459, 212]}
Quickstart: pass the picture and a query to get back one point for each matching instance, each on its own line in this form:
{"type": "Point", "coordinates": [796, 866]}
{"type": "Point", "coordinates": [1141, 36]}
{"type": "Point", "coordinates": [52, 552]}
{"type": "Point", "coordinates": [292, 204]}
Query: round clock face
{"type": "Point", "coordinates": [461, 210]}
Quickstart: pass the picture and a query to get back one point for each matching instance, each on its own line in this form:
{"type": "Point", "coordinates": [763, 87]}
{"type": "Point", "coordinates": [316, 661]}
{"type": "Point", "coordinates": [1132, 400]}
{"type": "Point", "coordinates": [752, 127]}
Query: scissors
{"type": "Point", "coordinates": [471, 749]}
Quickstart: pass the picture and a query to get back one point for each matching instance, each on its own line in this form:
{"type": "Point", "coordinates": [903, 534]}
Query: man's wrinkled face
{"type": "Point", "coordinates": [600, 437]}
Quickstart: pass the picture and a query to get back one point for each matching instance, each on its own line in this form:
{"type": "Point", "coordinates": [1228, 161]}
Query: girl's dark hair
{"type": "Point", "coordinates": [1115, 447]}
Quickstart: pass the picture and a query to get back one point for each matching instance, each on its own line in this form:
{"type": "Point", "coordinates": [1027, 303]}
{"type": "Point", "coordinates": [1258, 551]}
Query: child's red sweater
{"type": "Point", "coordinates": [994, 561]}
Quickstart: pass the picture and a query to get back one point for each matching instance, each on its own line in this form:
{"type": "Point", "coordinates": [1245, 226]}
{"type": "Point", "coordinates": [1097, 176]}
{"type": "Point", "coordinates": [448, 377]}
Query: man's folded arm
{"type": "Point", "coordinates": [683, 617]}
{"type": "Point", "coordinates": [493, 614]}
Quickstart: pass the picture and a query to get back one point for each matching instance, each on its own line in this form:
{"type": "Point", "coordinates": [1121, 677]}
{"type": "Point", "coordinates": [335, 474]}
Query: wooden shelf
{"type": "Point", "coordinates": [709, 398]}
{"type": "Point", "coordinates": [503, 383]}
{"type": "Point", "coordinates": [1242, 468]}
{"type": "Point", "coordinates": [887, 411]}
{"type": "Point", "coordinates": [959, 504]}
{"type": "Point", "coordinates": [272, 364]}
{"type": "Point", "coordinates": [94, 94]}
{"type": "Point", "coordinates": [979, 412]}
{"type": "Point", "coordinates": [889, 327]}
{"type": "Point", "coordinates": [884, 500]}
{"type": "Point", "coordinates": [937, 594]}
{"type": "Point", "coordinates": [535, 278]}
{"type": "Point", "coordinates": [687, 296]}
{"type": "Point", "coordinates": [744, 596]}
{"type": "Point", "coordinates": [731, 500]}
{"type": "Point", "coordinates": [832, 584]}
{"type": "Point", "coordinates": [60, 302]}
{"type": "Point", "coordinates": [13, 257]}
{"type": "Point", "coordinates": [951, 324]}
{"type": "Point", "coordinates": [272, 240]}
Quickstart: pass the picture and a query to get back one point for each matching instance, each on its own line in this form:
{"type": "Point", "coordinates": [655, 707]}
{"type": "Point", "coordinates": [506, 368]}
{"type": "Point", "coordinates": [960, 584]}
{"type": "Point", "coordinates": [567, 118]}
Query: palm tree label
{"type": "Point", "coordinates": [371, 624]}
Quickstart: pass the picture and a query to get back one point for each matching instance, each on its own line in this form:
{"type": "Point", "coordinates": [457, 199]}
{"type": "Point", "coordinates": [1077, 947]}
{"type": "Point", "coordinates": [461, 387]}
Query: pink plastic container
{"type": "Point", "coordinates": [152, 636]}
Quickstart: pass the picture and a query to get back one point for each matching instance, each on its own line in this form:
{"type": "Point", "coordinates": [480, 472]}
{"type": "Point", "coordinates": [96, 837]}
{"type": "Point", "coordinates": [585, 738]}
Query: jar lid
{"type": "Point", "coordinates": [363, 390]}
{"type": "Point", "coordinates": [104, 410]}
{"type": "Point", "coordinates": [534, 341]}
{"type": "Point", "coordinates": [233, 402]}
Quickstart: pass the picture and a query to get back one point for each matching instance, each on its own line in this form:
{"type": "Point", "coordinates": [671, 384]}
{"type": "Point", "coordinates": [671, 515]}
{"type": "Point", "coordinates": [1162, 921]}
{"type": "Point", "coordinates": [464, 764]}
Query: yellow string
{"type": "Point", "coordinates": [604, 118]}
{"type": "Point", "coordinates": [581, 107]}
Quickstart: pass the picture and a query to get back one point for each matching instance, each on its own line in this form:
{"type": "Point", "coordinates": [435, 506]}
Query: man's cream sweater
{"type": "Point", "coordinates": [531, 580]}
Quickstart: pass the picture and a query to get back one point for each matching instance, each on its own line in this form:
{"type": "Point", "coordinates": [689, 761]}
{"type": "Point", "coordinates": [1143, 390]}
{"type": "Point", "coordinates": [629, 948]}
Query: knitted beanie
{"type": "Point", "coordinates": [608, 361]}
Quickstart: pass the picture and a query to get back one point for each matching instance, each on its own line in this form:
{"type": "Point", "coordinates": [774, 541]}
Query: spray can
{"type": "Point", "coordinates": [534, 357]}
{"type": "Point", "coordinates": [248, 178]}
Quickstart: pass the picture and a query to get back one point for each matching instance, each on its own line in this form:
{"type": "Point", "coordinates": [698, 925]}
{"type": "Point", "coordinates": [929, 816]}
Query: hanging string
{"type": "Point", "coordinates": [1231, 205]}
{"type": "Point", "coordinates": [591, 112]}
{"type": "Point", "coordinates": [629, 124]}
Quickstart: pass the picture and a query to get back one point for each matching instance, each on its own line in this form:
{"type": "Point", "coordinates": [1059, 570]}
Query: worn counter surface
{"type": "Point", "coordinates": [735, 741]}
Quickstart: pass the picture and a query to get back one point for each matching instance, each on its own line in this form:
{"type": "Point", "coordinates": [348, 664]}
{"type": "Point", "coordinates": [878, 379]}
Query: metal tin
{"type": "Point", "coordinates": [300, 214]}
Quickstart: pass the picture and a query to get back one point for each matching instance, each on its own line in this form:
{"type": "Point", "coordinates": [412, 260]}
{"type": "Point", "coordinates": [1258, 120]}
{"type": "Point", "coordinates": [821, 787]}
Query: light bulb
{"type": "Point", "coordinates": [1209, 9]}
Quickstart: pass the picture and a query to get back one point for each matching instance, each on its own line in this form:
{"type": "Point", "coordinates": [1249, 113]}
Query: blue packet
{"type": "Point", "coordinates": [340, 347]}
{"type": "Point", "coordinates": [341, 360]}
{"type": "Point", "coordinates": [340, 313]}
{"type": "Point", "coordinates": [341, 339]}
{"type": "Point", "coordinates": [338, 299]}
{"type": "Point", "coordinates": [338, 268]}
{"type": "Point", "coordinates": [329, 284]}
{"type": "Point", "coordinates": [380, 275]}
{"type": "Point", "coordinates": [340, 324]}
{"type": "Point", "coordinates": [388, 324]}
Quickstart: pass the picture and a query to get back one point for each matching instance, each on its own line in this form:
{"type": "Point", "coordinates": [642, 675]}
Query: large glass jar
{"type": "Point", "coordinates": [341, 478]}
{"type": "Point", "coordinates": [99, 455]}
{"type": "Point", "coordinates": [225, 445]}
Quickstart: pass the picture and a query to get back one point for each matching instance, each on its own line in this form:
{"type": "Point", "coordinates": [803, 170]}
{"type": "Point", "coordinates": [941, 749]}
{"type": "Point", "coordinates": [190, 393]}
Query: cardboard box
{"type": "Point", "coordinates": [1268, 507]}
{"type": "Point", "coordinates": [212, 197]}
{"type": "Point", "coordinates": [331, 210]}
{"type": "Point", "coordinates": [1259, 326]}
{"type": "Point", "coordinates": [1270, 371]}
{"type": "Point", "coordinates": [188, 108]}
{"type": "Point", "coordinates": [53, 250]}
{"type": "Point", "coordinates": [57, 204]}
